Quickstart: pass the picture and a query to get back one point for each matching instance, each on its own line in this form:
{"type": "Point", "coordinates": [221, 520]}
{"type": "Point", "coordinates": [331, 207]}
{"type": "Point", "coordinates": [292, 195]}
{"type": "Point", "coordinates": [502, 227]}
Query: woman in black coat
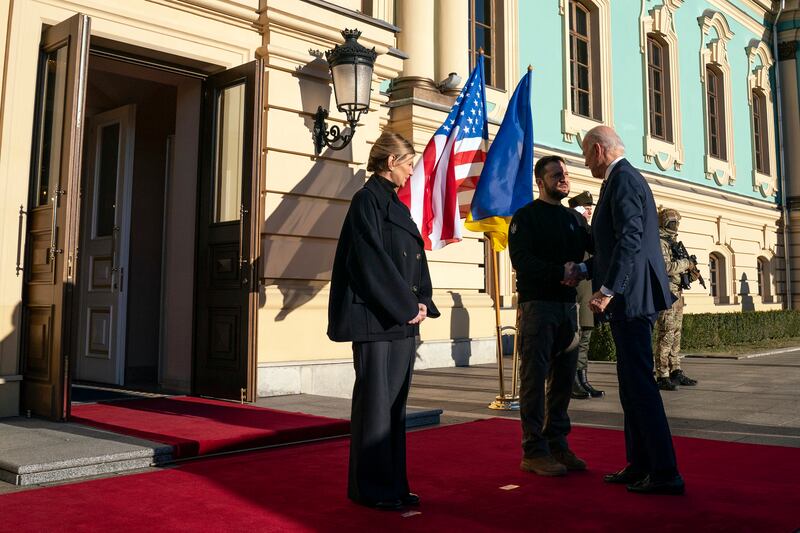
{"type": "Point", "coordinates": [380, 292]}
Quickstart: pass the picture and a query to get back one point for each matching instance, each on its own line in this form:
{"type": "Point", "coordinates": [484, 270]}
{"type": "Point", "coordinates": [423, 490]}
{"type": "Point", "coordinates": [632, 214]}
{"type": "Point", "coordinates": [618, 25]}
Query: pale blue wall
{"type": "Point", "coordinates": [541, 41]}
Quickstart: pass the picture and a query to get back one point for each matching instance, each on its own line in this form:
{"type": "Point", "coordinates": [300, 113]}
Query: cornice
{"type": "Point", "coordinates": [702, 195]}
{"type": "Point", "coordinates": [223, 10]}
{"type": "Point", "coordinates": [744, 18]}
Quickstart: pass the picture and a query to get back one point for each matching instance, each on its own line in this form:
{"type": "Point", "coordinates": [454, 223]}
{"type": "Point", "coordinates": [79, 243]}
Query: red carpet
{"type": "Point", "coordinates": [198, 426]}
{"type": "Point", "coordinates": [458, 471]}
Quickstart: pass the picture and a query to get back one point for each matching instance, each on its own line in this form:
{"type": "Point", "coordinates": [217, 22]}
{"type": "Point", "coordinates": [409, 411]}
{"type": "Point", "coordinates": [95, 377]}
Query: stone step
{"type": "Point", "coordinates": [36, 451]}
{"type": "Point", "coordinates": [418, 417]}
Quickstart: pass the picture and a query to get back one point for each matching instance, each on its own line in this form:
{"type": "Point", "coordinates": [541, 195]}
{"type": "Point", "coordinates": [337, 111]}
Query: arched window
{"type": "Point", "coordinates": [762, 120]}
{"type": "Point", "coordinates": [716, 274]}
{"type": "Point", "coordinates": [764, 276]}
{"type": "Point", "coordinates": [659, 87]}
{"type": "Point", "coordinates": [760, 140]}
{"type": "Point", "coordinates": [658, 44]}
{"type": "Point", "coordinates": [715, 111]}
{"type": "Point", "coordinates": [715, 76]}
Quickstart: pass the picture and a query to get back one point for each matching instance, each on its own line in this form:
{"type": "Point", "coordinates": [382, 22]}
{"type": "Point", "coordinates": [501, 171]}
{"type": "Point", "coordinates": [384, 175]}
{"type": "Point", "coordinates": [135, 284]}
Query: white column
{"type": "Point", "coordinates": [416, 38]}
{"type": "Point", "coordinates": [452, 40]}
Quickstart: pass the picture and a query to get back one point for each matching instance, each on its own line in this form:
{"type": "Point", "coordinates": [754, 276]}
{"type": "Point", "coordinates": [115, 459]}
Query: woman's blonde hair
{"type": "Point", "coordinates": [388, 144]}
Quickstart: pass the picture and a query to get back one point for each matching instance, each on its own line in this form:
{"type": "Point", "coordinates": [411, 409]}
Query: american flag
{"type": "Point", "coordinates": [440, 191]}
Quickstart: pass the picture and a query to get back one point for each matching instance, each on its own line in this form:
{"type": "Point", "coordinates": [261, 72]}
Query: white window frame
{"type": "Point", "coordinates": [759, 61]}
{"type": "Point", "coordinates": [659, 21]}
{"type": "Point", "coordinates": [714, 52]}
{"type": "Point", "coordinates": [573, 126]}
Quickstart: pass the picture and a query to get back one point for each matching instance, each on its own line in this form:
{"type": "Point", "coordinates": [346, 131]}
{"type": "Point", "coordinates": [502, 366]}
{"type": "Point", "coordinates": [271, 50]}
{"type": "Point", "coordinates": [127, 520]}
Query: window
{"type": "Point", "coordinates": [759, 275]}
{"type": "Point", "coordinates": [713, 272]}
{"type": "Point", "coordinates": [764, 278]}
{"type": "Point", "coordinates": [762, 119]}
{"type": "Point", "coordinates": [717, 273]}
{"type": "Point", "coordinates": [580, 58]}
{"type": "Point", "coordinates": [760, 143]}
{"type": "Point", "coordinates": [715, 77]}
{"type": "Point", "coordinates": [715, 110]}
{"type": "Point", "coordinates": [485, 24]}
{"type": "Point", "coordinates": [659, 88]}
{"type": "Point", "coordinates": [658, 44]}
{"type": "Point", "coordinates": [586, 56]}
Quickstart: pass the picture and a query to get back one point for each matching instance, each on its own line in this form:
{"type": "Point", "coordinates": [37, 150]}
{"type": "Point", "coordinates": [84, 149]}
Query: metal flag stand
{"type": "Point", "coordinates": [503, 401]}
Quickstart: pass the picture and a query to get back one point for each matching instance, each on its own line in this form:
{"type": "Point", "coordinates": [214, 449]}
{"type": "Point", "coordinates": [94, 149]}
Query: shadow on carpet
{"type": "Point", "coordinates": [467, 475]}
{"type": "Point", "coordinates": [200, 426]}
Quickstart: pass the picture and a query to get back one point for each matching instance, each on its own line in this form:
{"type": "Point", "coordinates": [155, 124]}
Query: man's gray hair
{"type": "Point", "coordinates": [605, 137]}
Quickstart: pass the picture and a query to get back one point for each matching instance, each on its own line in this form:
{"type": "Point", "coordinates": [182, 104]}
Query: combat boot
{"type": "Point", "coordinates": [578, 392]}
{"type": "Point", "coordinates": [584, 381]}
{"type": "Point", "coordinates": [679, 378]}
{"type": "Point", "coordinates": [666, 384]}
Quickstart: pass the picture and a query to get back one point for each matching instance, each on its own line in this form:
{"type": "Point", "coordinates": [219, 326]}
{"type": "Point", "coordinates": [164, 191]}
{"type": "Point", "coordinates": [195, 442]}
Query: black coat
{"type": "Point", "coordinates": [380, 272]}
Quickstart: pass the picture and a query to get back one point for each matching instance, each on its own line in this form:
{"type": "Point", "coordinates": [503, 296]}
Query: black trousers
{"type": "Point", "coordinates": [378, 420]}
{"type": "Point", "coordinates": [648, 441]}
{"type": "Point", "coordinates": [548, 356]}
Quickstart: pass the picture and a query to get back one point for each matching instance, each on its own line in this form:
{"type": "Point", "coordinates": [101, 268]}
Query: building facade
{"type": "Point", "coordinates": [173, 229]}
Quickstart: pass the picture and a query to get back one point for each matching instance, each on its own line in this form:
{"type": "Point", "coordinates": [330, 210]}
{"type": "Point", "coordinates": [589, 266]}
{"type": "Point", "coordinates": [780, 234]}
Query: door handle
{"type": "Point", "coordinates": [243, 262]}
{"type": "Point", "coordinates": [53, 251]}
{"type": "Point", "coordinates": [19, 239]}
{"type": "Point", "coordinates": [114, 268]}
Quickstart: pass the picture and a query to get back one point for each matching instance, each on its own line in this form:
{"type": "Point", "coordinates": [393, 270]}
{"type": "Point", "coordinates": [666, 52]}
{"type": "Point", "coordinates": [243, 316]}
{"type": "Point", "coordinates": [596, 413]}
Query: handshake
{"type": "Point", "coordinates": [573, 274]}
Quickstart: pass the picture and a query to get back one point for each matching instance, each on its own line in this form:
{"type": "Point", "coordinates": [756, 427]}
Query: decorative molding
{"type": "Point", "coordinates": [225, 10]}
{"type": "Point", "coordinates": [355, 15]}
{"type": "Point", "coordinates": [660, 21]}
{"type": "Point", "coordinates": [573, 126]}
{"type": "Point", "coordinates": [787, 51]}
{"type": "Point", "coordinates": [759, 61]}
{"type": "Point", "coordinates": [714, 51]}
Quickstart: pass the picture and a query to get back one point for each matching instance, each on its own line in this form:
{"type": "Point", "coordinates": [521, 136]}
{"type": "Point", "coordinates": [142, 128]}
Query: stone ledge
{"type": "Point", "coordinates": [46, 475]}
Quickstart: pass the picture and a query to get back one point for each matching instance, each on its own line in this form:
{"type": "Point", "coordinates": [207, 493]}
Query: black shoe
{"type": "Point", "coordinates": [625, 476]}
{"type": "Point", "coordinates": [578, 392]}
{"type": "Point", "coordinates": [679, 378]}
{"type": "Point", "coordinates": [673, 486]}
{"type": "Point", "coordinates": [410, 499]}
{"type": "Point", "coordinates": [666, 384]}
{"type": "Point", "coordinates": [383, 505]}
{"type": "Point", "coordinates": [584, 381]}
{"type": "Point", "coordinates": [388, 505]}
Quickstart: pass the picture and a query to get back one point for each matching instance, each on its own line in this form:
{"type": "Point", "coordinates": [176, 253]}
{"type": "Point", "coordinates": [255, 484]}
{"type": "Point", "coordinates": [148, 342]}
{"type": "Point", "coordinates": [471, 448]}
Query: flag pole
{"type": "Point", "coordinates": [503, 401]}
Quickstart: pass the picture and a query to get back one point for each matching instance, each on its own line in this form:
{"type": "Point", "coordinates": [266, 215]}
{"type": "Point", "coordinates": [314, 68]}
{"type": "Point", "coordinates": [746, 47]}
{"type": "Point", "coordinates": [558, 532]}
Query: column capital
{"type": "Point", "coordinates": [787, 50]}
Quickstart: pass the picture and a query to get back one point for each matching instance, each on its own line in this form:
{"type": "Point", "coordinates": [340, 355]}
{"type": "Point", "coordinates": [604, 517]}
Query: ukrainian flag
{"type": "Point", "coordinates": [506, 182]}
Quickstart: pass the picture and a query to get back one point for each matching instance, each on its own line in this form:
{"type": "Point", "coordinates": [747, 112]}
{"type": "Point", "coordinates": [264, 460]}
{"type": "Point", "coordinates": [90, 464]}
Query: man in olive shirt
{"type": "Point", "coordinates": [546, 240]}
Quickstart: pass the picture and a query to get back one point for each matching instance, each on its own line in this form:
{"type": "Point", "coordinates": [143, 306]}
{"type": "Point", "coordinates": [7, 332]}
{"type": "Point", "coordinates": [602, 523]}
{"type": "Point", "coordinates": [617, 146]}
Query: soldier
{"type": "Point", "coordinates": [668, 327]}
{"type": "Point", "coordinates": [581, 388]}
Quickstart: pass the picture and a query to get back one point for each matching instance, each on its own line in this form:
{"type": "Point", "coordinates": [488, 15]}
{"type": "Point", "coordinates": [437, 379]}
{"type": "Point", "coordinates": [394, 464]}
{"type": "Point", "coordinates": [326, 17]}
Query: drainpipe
{"type": "Point", "coordinates": [786, 254]}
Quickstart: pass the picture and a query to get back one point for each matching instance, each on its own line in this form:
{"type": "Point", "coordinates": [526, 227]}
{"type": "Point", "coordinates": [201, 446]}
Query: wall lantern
{"type": "Point", "coordinates": [351, 69]}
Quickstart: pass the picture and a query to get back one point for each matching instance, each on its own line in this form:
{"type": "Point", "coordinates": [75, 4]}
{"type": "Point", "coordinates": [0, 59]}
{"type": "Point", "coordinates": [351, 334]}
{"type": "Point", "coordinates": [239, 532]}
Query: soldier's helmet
{"type": "Point", "coordinates": [669, 219]}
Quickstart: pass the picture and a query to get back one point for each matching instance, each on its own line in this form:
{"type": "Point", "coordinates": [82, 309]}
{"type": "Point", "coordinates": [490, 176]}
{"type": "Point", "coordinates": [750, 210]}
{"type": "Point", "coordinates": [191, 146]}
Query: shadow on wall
{"type": "Point", "coordinates": [459, 331]}
{"type": "Point", "coordinates": [744, 293]}
{"type": "Point", "coordinates": [303, 229]}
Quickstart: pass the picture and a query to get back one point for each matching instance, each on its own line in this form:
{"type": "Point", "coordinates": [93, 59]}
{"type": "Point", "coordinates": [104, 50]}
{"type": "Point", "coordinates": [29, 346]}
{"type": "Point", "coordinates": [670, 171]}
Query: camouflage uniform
{"type": "Point", "coordinates": [668, 326]}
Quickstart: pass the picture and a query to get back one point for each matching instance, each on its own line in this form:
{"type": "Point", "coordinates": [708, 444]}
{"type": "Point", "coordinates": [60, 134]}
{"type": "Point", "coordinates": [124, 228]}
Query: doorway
{"type": "Point", "coordinates": [150, 263]}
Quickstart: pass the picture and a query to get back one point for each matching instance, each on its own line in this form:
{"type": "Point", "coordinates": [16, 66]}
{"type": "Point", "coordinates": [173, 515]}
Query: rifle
{"type": "Point", "coordinates": [679, 252]}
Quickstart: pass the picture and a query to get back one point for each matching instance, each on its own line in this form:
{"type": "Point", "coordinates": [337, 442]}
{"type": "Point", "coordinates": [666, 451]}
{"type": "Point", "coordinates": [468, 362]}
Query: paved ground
{"type": "Point", "coordinates": [747, 400]}
{"type": "Point", "coordinates": [753, 400]}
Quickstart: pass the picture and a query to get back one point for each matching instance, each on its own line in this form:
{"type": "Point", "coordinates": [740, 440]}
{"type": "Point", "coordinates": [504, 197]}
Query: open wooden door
{"type": "Point", "coordinates": [54, 218]}
{"type": "Point", "coordinates": [228, 235]}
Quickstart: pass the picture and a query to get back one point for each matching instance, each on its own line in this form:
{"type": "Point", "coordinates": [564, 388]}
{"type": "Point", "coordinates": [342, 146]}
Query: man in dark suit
{"type": "Point", "coordinates": [631, 287]}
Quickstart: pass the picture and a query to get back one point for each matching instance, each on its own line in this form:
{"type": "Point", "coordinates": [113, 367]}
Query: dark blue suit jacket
{"type": "Point", "coordinates": [628, 256]}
